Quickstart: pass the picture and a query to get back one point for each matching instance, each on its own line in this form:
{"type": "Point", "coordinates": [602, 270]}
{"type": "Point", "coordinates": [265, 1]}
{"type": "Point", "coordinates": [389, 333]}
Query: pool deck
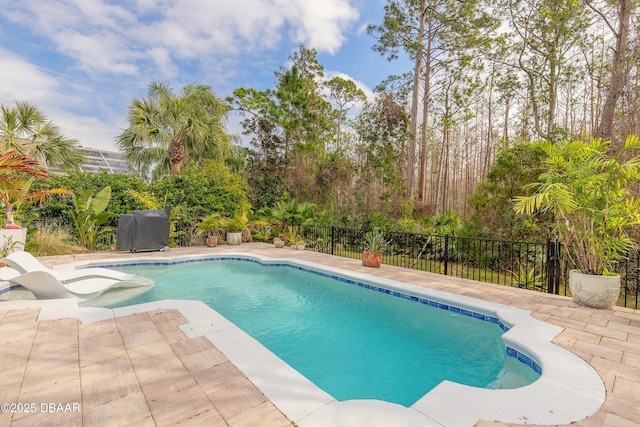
{"type": "Point", "coordinates": [141, 369]}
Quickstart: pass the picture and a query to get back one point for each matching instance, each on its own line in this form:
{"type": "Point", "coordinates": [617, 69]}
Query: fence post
{"type": "Point", "coordinates": [553, 267]}
{"type": "Point", "coordinates": [446, 254]}
{"type": "Point", "coordinates": [333, 238]}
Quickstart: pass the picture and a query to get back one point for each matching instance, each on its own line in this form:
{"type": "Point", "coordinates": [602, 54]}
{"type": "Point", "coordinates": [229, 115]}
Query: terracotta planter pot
{"type": "Point", "coordinates": [371, 259]}
{"type": "Point", "coordinates": [594, 291]}
{"type": "Point", "coordinates": [213, 241]}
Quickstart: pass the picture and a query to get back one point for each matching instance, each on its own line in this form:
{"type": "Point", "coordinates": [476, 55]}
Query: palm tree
{"type": "Point", "coordinates": [166, 130]}
{"type": "Point", "coordinates": [17, 173]}
{"type": "Point", "coordinates": [289, 212]}
{"type": "Point", "coordinates": [592, 195]}
{"type": "Point", "coordinates": [27, 131]}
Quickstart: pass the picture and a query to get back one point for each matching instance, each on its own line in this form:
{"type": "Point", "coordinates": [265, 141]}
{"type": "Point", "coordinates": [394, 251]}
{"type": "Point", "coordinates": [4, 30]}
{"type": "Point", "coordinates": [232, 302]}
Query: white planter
{"type": "Point", "coordinates": [13, 237]}
{"type": "Point", "coordinates": [234, 238]}
{"type": "Point", "coordinates": [594, 291]}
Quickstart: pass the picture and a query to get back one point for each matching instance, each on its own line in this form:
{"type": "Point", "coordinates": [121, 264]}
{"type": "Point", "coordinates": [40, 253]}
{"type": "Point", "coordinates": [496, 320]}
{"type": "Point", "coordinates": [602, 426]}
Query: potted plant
{"type": "Point", "coordinates": [374, 245]}
{"type": "Point", "coordinates": [235, 226]}
{"type": "Point", "coordinates": [290, 235]}
{"type": "Point", "coordinates": [210, 228]}
{"type": "Point", "coordinates": [17, 174]}
{"type": "Point", "coordinates": [586, 189]}
{"type": "Point", "coordinates": [300, 243]}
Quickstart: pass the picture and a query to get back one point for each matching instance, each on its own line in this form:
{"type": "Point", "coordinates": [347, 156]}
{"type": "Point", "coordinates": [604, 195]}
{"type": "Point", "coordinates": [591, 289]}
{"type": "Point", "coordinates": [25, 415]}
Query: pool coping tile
{"type": "Point", "coordinates": [568, 390]}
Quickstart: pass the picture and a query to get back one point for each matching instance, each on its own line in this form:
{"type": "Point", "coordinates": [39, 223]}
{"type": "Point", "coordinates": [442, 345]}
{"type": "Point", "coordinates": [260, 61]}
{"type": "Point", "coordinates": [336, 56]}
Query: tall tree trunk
{"type": "Point", "coordinates": [505, 128]}
{"type": "Point", "coordinates": [338, 132]}
{"type": "Point", "coordinates": [422, 182]}
{"type": "Point", "coordinates": [553, 98]}
{"type": "Point", "coordinates": [176, 153]}
{"type": "Point", "coordinates": [619, 70]}
{"type": "Point", "coordinates": [434, 183]}
{"type": "Point", "coordinates": [446, 141]}
{"type": "Point", "coordinates": [487, 154]}
{"type": "Point", "coordinates": [413, 124]}
{"type": "Point", "coordinates": [468, 166]}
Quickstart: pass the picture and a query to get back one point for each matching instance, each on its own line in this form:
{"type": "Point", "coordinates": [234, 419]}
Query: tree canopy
{"type": "Point", "coordinates": [167, 130]}
{"type": "Point", "coordinates": [26, 130]}
{"type": "Point", "coordinates": [453, 132]}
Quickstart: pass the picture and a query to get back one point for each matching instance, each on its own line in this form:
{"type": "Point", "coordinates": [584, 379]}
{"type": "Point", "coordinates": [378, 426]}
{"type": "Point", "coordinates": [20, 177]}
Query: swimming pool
{"type": "Point", "coordinates": [568, 390]}
{"type": "Point", "coordinates": [355, 340]}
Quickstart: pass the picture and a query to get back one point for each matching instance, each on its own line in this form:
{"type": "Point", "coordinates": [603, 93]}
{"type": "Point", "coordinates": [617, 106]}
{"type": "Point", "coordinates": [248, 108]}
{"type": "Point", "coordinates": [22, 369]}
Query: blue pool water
{"type": "Point", "coordinates": [353, 342]}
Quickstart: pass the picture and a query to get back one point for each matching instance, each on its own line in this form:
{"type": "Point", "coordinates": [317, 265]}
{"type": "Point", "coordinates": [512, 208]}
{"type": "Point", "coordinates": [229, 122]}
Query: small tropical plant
{"type": "Point", "coordinates": [587, 190]}
{"type": "Point", "coordinates": [8, 246]}
{"type": "Point", "coordinates": [260, 230]}
{"type": "Point", "coordinates": [448, 222]}
{"type": "Point", "coordinates": [17, 174]}
{"type": "Point", "coordinates": [374, 241]}
{"type": "Point", "coordinates": [289, 212]}
{"type": "Point", "coordinates": [237, 223]}
{"type": "Point", "coordinates": [210, 225]}
{"type": "Point", "coordinates": [88, 216]}
{"type": "Point", "coordinates": [291, 235]}
{"type": "Point", "coordinates": [528, 278]}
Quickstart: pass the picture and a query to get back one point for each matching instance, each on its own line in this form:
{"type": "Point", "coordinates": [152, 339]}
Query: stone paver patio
{"type": "Point", "coordinates": [141, 369]}
{"type": "Point", "coordinates": [134, 370]}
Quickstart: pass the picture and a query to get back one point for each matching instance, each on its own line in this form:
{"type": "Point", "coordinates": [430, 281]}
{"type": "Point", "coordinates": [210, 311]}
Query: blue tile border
{"type": "Point", "coordinates": [10, 288]}
{"type": "Point", "coordinates": [511, 352]}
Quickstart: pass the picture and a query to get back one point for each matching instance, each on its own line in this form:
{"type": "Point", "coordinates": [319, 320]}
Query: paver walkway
{"type": "Point", "coordinates": [142, 370]}
{"type": "Point", "coordinates": [137, 370]}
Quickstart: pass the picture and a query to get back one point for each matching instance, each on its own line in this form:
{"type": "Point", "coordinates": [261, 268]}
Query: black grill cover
{"type": "Point", "coordinates": [143, 231]}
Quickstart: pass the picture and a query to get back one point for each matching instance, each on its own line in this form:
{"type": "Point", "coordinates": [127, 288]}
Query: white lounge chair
{"type": "Point", "coordinates": [8, 273]}
{"type": "Point", "coordinates": [24, 262]}
{"type": "Point", "coordinates": [46, 286]}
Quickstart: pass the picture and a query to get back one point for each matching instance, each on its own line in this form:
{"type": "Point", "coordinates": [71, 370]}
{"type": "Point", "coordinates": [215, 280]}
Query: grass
{"type": "Point", "coordinates": [52, 240]}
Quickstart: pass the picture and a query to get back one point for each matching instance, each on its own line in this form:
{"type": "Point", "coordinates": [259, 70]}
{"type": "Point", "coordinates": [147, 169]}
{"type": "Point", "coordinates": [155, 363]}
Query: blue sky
{"type": "Point", "coordinates": [83, 61]}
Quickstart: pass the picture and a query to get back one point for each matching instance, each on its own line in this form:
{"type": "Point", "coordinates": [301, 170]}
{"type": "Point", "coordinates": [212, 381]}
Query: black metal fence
{"type": "Point", "coordinates": [519, 264]}
{"type": "Point", "coordinates": [629, 271]}
{"type": "Point", "coordinates": [528, 265]}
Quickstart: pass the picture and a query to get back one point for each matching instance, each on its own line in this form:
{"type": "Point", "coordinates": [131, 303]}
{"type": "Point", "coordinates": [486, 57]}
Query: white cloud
{"type": "Point", "coordinates": [97, 52]}
{"type": "Point", "coordinates": [320, 24]}
{"type": "Point", "coordinates": [126, 38]}
{"type": "Point", "coordinates": [90, 131]}
{"type": "Point", "coordinates": [90, 32]}
{"type": "Point", "coordinates": [162, 59]}
{"type": "Point", "coordinates": [370, 95]}
{"type": "Point", "coordinates": [22, 80]}
{"type": "Point", "coordinates": [362, 29]}
{"type": "Point", "coordinates": [84, 60]}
